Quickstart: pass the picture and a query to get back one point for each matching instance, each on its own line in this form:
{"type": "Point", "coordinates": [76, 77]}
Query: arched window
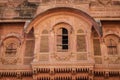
{"type": "Point", "coordinates": [112, 42]}
{"type": "Point", "coordinates": [62, 40]}
{"type": "Point", "coordinates": [112, 47]}
{"type": "Point", "coordinates": [11, 46]}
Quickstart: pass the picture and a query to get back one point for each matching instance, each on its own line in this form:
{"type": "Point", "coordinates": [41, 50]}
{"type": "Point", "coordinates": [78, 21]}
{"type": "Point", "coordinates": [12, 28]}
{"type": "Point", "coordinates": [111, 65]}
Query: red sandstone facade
{"type": "Point", "coordinates": [59, 40]}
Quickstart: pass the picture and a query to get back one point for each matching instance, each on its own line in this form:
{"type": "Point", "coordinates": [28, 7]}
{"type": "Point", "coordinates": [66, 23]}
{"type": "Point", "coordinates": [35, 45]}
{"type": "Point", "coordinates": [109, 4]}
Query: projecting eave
{"type": "Point", "coordinates": [95, 25]}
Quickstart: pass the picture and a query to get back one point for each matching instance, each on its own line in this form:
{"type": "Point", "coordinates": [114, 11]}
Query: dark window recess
{"type": "Point", "coordinates": [64, 38]}
{"type": "Point", "coordinates": [11, 49]}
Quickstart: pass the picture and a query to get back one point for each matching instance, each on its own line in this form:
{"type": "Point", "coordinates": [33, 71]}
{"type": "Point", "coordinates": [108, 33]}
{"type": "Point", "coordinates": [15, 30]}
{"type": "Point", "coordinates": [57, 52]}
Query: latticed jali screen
{"type": "Point", "coordinates": [81, 43]}
{"type": "Point", "coordinates": [44, 44]}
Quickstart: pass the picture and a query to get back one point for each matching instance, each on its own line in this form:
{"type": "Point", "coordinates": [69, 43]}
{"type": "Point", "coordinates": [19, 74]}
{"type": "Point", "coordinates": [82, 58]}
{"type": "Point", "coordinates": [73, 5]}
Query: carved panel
{"type": "Point", "coordinates": [105, 8]}
{"type": "Point", "coordinates": [81, 43]}
{"type": "Point", "coordinates": [9, 61]}
{"type": "Point", "coordinates": [44, 44]}
{"type": "Point", "coordinates": [10, 47]}
{"type": "Point", "coordinates": [114, 60]}
{"type": "Point", "coordinates": [29, 50]}
{"type": "Point", "coordinates": [63, 56]}
{"type": "Point", "coordinates": [97, 49]}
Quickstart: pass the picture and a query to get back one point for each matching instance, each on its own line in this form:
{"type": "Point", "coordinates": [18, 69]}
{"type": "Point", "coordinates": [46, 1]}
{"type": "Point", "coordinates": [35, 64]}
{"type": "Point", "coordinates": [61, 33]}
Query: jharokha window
{"type": "Point", "coordinates": [112, 43]}
{"type": "Point", "coordinates": [62, 40]}
{"type": "Point", "coordinates": [112, 47]}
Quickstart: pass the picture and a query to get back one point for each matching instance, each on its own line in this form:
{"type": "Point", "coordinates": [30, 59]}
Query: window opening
{"type": "Point", "coordinates": [62, 39]}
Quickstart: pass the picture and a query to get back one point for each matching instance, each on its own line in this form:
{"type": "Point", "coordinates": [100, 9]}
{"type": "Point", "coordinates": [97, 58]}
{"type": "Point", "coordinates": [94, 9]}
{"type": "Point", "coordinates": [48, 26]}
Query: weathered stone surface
{"type": "Point", "coordinates": [59, 39]}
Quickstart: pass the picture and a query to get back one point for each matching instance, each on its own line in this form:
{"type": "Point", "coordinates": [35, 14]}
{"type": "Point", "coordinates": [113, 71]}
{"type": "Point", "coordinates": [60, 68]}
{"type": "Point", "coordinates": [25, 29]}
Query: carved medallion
{"type": "Point", "coordinates": [104, 2]}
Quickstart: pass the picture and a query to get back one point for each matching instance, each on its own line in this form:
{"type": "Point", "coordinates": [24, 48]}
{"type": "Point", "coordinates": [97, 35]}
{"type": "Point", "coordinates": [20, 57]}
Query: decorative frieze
{"type": "Point", "coordinates": [63, 56]}
{"type": "Point", "coordinates": [9, 61]}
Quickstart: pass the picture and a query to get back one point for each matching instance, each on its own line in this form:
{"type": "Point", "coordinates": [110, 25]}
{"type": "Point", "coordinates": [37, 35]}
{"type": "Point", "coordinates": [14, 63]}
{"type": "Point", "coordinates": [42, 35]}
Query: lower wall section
{"type": "Point", "coordinates": [61, 73]}
{"type": "Point", "coordinates": [14, 78]}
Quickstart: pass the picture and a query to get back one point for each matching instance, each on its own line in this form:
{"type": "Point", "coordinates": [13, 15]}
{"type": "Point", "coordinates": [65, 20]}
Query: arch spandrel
{"type": "Point", "coordinates": [79, 13]}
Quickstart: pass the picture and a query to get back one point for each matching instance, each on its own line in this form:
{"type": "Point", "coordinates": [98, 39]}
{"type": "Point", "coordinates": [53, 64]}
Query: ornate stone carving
{"type": "Point", "coordinates": [104, 2]}
{"type": "Point", "coordinates": [114, 60]}
{"type": "Point", "coordinates": [26, 9]}
{"type": "Point", "coordinates": [10, 46]}
{"type": "Point", "coordinates": [62, 58]}
{"type": "Point", "coordinates": [9, 61]}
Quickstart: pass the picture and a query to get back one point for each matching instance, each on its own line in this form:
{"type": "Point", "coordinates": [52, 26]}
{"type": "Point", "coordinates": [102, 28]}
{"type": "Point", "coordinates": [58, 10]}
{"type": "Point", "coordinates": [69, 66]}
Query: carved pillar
{"type": "Point", "coordinates": [73, 73]}
{"type": "Point", "coordinates": [19, 76]}
{"type": "Point", "coordinates": [91, 73]}
{"type": "Point", "coordinates": [106, 76]}
{"type": "Point", "coordinates": [35, 74]}
{"type": "Point", "coordinates": [52, 73]}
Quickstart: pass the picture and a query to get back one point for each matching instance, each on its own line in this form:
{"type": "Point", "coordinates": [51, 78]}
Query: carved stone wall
{"type": "Point", "coordinates": [32, 54]}
{"type": "Point", "coordinates": [27, 9]}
